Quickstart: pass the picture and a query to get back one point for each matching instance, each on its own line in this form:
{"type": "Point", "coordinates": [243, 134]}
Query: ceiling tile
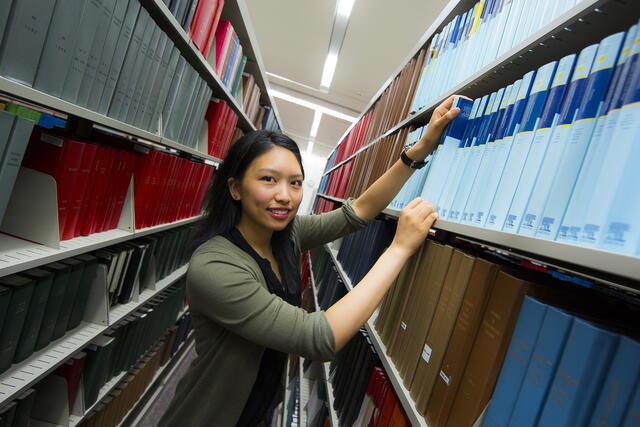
{"type": "Point", "coordinates": [331, 129]}
{"type": "Point", "coordinates": [293, 36]}
{"type": "Point", "coordinates": [296, 119]}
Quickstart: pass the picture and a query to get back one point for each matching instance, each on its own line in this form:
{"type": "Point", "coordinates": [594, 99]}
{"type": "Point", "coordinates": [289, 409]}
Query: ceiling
{"type": "Point", "coordinates": [293, 38]}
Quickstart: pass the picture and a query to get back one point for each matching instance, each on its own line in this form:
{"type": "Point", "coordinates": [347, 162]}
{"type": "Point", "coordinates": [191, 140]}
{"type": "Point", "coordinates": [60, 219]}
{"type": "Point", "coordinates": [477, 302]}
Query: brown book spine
{"type": "Point", "coordinates": [488, 351]}
{"type": "Point", "coordinates": [464, 332]}
{"type": "Point", "coordinates": [441, 327]}
{"type": "Point", "coordinates": [424, 307]}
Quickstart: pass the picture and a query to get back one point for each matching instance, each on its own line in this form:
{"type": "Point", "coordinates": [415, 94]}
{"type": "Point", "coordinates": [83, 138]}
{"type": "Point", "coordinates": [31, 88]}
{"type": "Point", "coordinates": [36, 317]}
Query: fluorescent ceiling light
{"type": "Point", "coordinates": [344, 7]}
{"type": "Point", "coordinates": [329, 68]}
{"type": "Point", "coordinates": [309, 146]}
{"type": "Point", "coordinates": [312, 106]}
{"type": "Point", "coordinates": [316, 123]}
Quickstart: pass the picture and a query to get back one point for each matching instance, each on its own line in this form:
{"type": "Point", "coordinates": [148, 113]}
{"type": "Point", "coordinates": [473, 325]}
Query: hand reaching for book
{"type": "Point", "coordinates": [413, 225]}
{"type": "Point", "coordinates": [440, 117]}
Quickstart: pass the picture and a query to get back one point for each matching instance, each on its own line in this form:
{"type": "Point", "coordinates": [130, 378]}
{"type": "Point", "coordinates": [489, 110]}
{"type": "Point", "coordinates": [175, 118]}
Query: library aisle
{"type": "Point", "coordinates": [189, 234]}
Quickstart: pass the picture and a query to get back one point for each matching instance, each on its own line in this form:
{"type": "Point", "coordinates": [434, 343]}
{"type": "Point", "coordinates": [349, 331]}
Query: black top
{"type": "Point", "coordinates": [264, 393]}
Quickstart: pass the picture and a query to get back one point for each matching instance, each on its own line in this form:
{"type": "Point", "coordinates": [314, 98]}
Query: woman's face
{"type": "Point", "coordinates": [271, 189]}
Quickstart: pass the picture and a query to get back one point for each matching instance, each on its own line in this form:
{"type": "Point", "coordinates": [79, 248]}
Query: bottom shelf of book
{"type": "Point", "coordinates": [23, 375]}
{"type": "Point", "coordinates": [393, 374]}
{"type": "Point", "coordinates": [391, 370]}
{"type": "Point", "coordinates": [333, 416]}
{"type": "Point", "coordinates": [156, 385]}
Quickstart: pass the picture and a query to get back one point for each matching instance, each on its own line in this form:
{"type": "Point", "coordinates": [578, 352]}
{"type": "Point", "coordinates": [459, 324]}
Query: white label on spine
{"type": "Point", "coordinates": [444, 377]}
{"type": "Point", "coordinates": [426, 353]}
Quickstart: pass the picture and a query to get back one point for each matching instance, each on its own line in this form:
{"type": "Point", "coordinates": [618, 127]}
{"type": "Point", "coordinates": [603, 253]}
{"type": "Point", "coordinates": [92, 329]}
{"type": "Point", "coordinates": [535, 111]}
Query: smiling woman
{"type": "Point", "coordinates": [243, 282]}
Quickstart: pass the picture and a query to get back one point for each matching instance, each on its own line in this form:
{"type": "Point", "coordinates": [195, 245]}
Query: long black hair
{"type": "Point", "coordinates": [222, 212]}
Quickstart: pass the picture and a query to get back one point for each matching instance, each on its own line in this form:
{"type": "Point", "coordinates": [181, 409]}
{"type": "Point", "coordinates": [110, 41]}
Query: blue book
{"type": "Point", "coordinates": [482, 138]}
{"type": "Point", "coordinates": [622, 380]}
{"type": "Point", "coordinates": [472, 128]}
{"type": "Point", "coordinates": [494, 216]}
{"type": "Point", "coordinates": [560, 132]}
{"type": "Point", "coordinates": [515, 363]}
{"type": "Point", "coordinates": [473, 162]}
{"type": "Point", "coordinates": [448, 191]}
{"type": "Point", "coordinates": [539, 144]}
{"type": "Point", "coordinates": [542, 368]}
{"type": "Point", "coordinates": [510, 173]}
{"type": "Point", "coordinates": [591, 171]}
{"type": "Point", "coordinates": [478, 188]}
{"type": "Point", "coordinates": [445, 152]}
{"type": "Point", "coordinates": [578, 380]}
{"type": "Point", "coordinates": [580, 136]}
{"type": "Point", "coordinates": [632, 416]}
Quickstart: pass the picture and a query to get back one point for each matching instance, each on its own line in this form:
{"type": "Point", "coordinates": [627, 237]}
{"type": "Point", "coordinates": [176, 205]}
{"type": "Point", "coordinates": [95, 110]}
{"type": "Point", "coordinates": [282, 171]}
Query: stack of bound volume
{"type": "Point", "coordinates": [120, 347]}
{"type": "Point", "coordinates": [109, 57]}
{"type": "Point", "coordinates": [41, 304]}
{"type": "Point", "coordinates": [532, 158]}
{"type": "Point", "coordinates": [363, 395]}
{"type": "Point", "coordinates": [221, 123]}
{"type": "Point", "coordinates": [473, 40]}
{"type": "Point", "coordinates": [168, 188]}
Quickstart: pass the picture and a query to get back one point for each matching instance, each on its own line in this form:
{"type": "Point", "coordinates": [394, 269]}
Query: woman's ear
{"type": "Point", "coordinates": [234, 188]}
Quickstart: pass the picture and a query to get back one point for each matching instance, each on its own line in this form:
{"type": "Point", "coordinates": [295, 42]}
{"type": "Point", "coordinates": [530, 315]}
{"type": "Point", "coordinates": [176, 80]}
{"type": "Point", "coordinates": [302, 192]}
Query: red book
{"type": "Point", "coordinates": [72, 372]}
{"type": "Point", "coordinates": [197, 194]}
{"type": "Point", "coordinates": [97, 211]}
{"type": "Point", "coordinates": [201, 24]}
{"type": "Point", "coordinates": [94, 177]}
{"type": "Point", "coordinates": [67, 183]}
{"type": "Point", "coordinates": [107, 201]}
{"type": "Point", "coordinates": [214, 27]}
{"type": "Point", "coordinates": [182, 190]}
{"type": "Point", "coordinates": [168, 191]}
{"type": "Point", "coordinates": [141, 182]}
{"type": "Point", "coordinates": [158, 180]}
{"type": "Point", "coordinates": [187, 202]}
{"type": "Point", "coordinates": [148, 190]}
{"type": "Point", "coordinates": [79, 190]}
{"type": "Point", "coordinates": [224, 34]}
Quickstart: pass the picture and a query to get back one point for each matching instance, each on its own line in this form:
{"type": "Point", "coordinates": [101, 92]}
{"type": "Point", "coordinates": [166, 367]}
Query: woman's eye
{"type": "Point", "coordinates": [268, 179]}
{"type": "Point", "coordinates": [297, 182]}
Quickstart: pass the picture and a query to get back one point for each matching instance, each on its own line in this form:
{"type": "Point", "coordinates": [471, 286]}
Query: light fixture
{"type": "Point", "coordinates": [329, 69]}
{"type": "Point", "coordinates": [309, 146]}
{"type": "Point", "coordinates": [344, 7]}
{"type": "Point", "coordinates": [317, 116]}
{"type": "Point", "coordinates": [311, 105]}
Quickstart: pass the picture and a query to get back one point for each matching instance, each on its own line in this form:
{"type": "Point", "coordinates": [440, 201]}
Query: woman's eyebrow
{"type": "Point", "coordinates": [275, 172]}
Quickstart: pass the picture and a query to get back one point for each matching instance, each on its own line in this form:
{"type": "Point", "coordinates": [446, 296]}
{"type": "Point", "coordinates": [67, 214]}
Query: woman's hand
{"type": "Point", "coordinates": [440, 117]}
{"type": "Point", "coordinates": [413, 226]}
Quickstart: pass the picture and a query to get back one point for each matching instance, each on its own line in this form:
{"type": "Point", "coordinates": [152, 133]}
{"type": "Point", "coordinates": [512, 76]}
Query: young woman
{"type": "Point", "coordinates": [243, 280]}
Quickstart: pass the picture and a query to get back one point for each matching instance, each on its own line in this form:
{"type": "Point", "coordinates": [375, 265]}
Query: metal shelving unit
{"type": "Point", "coordinates": [394, 376]}
{"type": "Point", "coordinates": [579, 260]}
{"type": "Point", "coordinates": [23, 375]}
{"type": "Point", "coordinates": [17, 254]}
{"type": "Point", "coordinates": [238, 14]}
{"type": "Point", "coordinates": [163, 17]}
{"type": "Point", "coordinates": [157, 383]}
{"type": "Point", "coordinates": [235, 11]}
{"type": "Point", "coordinates": [51, 102]}
{"type": "Point", "coordinates": [586, 23]}
{"type": "Point", "coordinates": [333, 416]}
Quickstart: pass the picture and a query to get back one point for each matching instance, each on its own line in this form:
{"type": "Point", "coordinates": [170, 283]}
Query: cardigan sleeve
{"type": "Point", "coordinates": [310, 231]}
{"type": "Point", "coordinates": [229, 294]}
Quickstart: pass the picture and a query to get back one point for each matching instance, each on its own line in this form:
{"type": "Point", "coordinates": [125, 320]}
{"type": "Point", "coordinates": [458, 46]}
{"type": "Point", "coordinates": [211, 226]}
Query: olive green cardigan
{"type": "Point", "coordinates": [235, 317]}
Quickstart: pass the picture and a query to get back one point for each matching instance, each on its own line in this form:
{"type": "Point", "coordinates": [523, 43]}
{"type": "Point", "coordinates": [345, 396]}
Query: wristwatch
{"type": "Point", "coordinates": [411, 163]}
